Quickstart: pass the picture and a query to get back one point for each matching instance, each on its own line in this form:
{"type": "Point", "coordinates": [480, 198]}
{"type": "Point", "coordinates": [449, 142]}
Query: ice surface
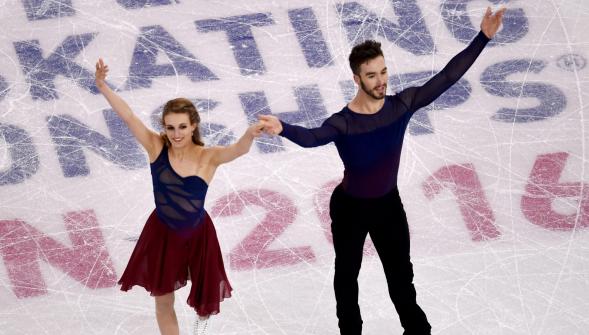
{"type": "Point", "coordinates": [493, 176]}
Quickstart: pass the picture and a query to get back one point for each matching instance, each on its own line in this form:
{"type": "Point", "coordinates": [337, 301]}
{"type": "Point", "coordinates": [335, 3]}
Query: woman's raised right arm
{"type": "Point", "coordinates": [149, 139]}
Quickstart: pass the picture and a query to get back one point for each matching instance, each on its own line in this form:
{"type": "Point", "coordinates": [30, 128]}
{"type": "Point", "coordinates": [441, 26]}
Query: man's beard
{"type": "Point", "coordinates": [374, 96]}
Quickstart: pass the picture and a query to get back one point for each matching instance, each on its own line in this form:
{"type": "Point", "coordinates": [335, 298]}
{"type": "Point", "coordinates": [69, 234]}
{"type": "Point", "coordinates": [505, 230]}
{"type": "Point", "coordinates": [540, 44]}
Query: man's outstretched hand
{"type": "Point", "coordinates": [491, 22]}
{"type": "Point", "coordinates": [271, 124]}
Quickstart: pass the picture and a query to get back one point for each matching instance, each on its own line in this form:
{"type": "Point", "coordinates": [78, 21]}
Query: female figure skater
{"type": "Point", "coordinates": [178, 241]}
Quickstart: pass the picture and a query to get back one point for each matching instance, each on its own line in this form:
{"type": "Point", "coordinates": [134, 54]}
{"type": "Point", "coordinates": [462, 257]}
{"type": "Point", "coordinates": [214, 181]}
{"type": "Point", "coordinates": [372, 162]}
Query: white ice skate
{"type": "Point", "coordinates": [200, 326]}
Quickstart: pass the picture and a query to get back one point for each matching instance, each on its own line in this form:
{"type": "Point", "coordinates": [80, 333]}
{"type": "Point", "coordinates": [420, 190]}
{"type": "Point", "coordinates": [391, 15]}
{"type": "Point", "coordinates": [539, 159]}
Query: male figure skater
{"type": "Point", "coordinates": [368, 134]}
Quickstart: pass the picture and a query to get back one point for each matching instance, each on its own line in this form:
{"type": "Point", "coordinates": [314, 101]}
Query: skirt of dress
{"type": "Point", "coordinates": [164, 260]}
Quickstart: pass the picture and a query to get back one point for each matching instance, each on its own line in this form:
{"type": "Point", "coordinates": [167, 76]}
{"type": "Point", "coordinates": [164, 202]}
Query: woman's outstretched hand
{"type": "Point", "coordinates": [100, 75]}
{"type": "Point", "coordinates": [271, 124]}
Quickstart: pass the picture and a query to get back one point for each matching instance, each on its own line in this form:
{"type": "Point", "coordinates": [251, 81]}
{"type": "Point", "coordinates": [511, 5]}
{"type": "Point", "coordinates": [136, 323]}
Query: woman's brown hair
{"type": "Point", "coordinates": [183, 105]}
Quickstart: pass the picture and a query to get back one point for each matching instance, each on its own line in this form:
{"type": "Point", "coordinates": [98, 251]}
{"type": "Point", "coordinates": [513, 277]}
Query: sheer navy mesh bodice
{"type": "Point", "coordinates": [179, 201]}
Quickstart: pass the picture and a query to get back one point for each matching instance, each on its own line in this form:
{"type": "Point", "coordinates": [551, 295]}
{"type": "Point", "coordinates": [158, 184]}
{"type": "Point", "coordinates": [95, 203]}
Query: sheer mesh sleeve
{"type": "Point", "coordinates": [329, 131]}
{"type": "Point", "coordinates": [416, 97]}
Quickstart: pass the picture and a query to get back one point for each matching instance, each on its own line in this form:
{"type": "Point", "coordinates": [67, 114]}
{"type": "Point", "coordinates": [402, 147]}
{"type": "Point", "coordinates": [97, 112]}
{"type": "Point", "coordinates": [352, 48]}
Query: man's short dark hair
{"type": "Point", "coordinates": [362, 53]}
